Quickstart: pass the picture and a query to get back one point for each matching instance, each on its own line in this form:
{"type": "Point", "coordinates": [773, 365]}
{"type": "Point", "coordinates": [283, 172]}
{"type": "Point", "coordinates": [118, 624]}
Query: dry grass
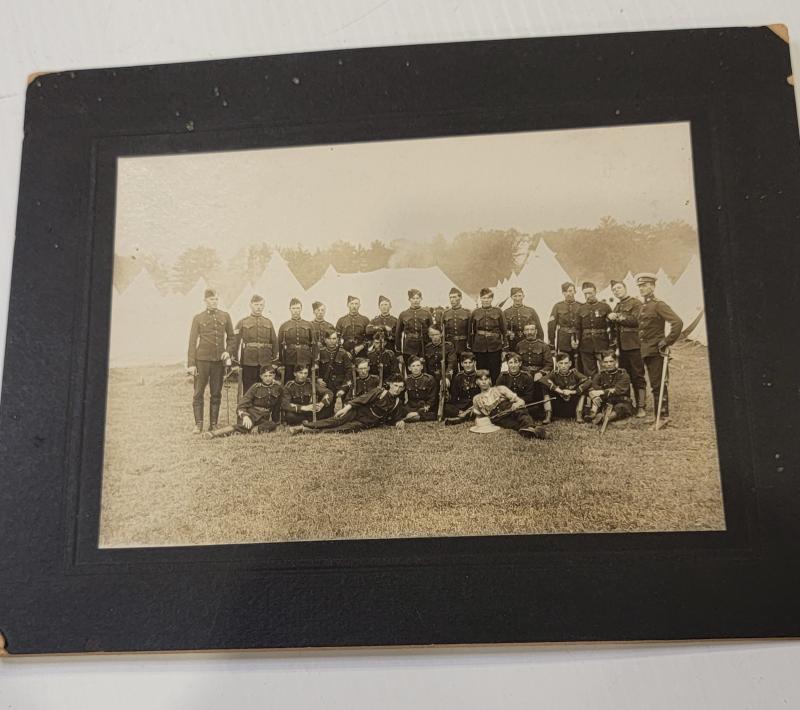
{"type": "Point", "coordinates": [164, 486]}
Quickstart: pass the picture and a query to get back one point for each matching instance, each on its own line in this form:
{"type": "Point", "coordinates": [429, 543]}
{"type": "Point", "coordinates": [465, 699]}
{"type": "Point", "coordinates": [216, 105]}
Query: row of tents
{"type": "Point", "coordinates": [148, 328]}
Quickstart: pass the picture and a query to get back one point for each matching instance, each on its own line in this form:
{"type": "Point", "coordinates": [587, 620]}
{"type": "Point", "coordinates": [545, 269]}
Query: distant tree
{"type": "Point", "coordinates": [193, 263]}
{"type": "Point", "coordinates": [258, 256]}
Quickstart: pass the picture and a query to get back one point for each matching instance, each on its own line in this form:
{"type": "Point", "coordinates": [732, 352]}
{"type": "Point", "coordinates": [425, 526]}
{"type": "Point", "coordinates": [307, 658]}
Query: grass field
{"type": "Point", "coordinates": [164, 486]}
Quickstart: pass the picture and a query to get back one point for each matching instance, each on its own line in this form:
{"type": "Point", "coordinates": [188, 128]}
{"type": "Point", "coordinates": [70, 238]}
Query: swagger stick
{"type": "Point", "coordinates": [664, 371]}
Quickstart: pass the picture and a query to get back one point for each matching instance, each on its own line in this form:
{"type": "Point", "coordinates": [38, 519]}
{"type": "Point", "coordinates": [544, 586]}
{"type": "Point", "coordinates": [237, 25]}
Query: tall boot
{"type": "Point", "coordinates": [213, 415]}
{"type": "Point", "coordinates": [222, 431]}
{"type": "Point", "coordinates": [198, 418]}
{"type": "Point", "coordinates": [548, 413]}
{"type": "Point", "coordinates": [641, 398]}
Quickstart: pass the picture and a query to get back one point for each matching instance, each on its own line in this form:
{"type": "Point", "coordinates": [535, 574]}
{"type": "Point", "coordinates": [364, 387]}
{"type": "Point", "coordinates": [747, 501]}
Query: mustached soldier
{"type": "Point", "coordinates": [421, 390]}
{"type": "Point", "coordinates": [567, 386]}
{"type": "Point", "coordinates": [322, 328]}
{"type": "Point", "coordinates": [593, 329]}
{"type": "Point", "coordinates": [455, 322]}
{"type": "Point", "coordinates": [518, 316]}
{"type": "Point", "coordinates": [352, 328]}
{"type": "Point", "coordinates": [296, 338]}
{"type": "Point", "coordinates": [537, 359]}
{"type": "Point", "coordinates": [364, 381]}
{"type": "Point", "coordinates": [334, 368]}
{"type": "Point", "coordinates": [563, 323]}
{"type": "Point", "coordinates": [297, 402]}
{"type": "Point", "coordinates": [412, 328]}
{"type": "Point", "coordinates": [463, 387]}
{"type": "Point", "coordinates": [384, 322]}
{"type": "Point", "coordinates": [611, 387]}
{"type": "Point", "coordinates": [255, 343]}
{"type": "Point", "coordinates": [258, 409]}
{"type": "Point", "coordinates": [625, 320]}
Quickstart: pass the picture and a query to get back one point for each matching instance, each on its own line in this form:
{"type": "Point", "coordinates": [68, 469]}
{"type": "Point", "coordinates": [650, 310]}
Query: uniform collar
{"type": "Point", "coordinates": [297, 318]}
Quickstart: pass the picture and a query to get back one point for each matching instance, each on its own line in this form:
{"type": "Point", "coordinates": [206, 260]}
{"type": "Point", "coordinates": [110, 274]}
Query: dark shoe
{"type": "Point", "coordinates": [450, 421]}
{"type": "Point", "coordinates": [579, 417]}
{"type": "Point", "coordinates": [294, 430]}
{"type": "Point", "coordinates": [198, 428]}
{"type": "Point", "coordinates": [548, 417]}
{"type": "Point", "coordinates": [598, 419]}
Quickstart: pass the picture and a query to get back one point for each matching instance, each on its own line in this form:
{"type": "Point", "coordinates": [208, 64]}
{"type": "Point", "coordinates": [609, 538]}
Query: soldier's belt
{"type": "Point", "coordinates": [258, 345]}
{"type": "Point", "coordinates": [628, 329]}
{"type": "Point", "coordinates": [595, 331]}
{"type": "Point", "coordinates": [487, 332]}
{"type": "Point", "coordinates": [292, 346]}
{"type": "Point", "coordinates": [458, 337]}
{"type": "Point", "coordinates": [564, 329]}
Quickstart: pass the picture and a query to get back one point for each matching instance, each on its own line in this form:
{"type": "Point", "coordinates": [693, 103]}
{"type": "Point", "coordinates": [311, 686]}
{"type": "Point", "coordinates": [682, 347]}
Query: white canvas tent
{"type": "Point", "coordinates": [541, 278]}
{"type": "Point", "coordinates": [686, 298]}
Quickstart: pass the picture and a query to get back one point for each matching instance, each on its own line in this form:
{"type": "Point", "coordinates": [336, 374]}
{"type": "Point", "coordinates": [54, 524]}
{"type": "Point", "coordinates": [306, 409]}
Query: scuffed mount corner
{"type": "Point", "coordinates": [3, 650]}
{"type": "Point", "coordinates": [783, 32]}
{"type": "Point", "coordinates": [32, 77]}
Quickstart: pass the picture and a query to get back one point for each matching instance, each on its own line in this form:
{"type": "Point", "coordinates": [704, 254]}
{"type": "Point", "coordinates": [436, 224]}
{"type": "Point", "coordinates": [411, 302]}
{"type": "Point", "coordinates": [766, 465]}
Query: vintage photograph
{"type": "Point", "coordinates": [477, 335]}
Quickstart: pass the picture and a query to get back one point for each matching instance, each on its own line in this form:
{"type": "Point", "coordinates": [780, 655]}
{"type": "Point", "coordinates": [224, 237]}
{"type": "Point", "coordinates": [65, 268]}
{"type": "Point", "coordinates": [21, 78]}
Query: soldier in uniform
{"type": "Point", "coordinates": [463, 387]}
{"type": "Point", "coordinates": [593, 329]}
{"type": "Point", "coordinates": [364, 381]}
{"type": "Point", "coordinates": [258, 409]}
{"type": "Point", "coordinates": [297, 401]}
{"type": "Point", "coordinates": [334, 368]}
{"type": "Point", "coordinates": [537, 358]}
{"type": "Point", "coordinates": [412, 327]}
{"type": "Point", "coordinates": [563, 324]}
{"type": "Point", "coordinates": [384, 322]}
{"type": "Point", "coordinates": [455, 322]}
{"type": "Point", "coordinates": [611, 387]}
{"type": "Point", "coordinates": [255, 343]}
{"type": "Point", "coordinates": [321, 327]}
{"type": "Point", "coordinates": [352, 328]}
{"type": "Point", "coordinates": [567, 387]}
{"type": "Point", "coordinates": [380, 406]}
{"type": "Point", "coordinates": [295, 341]}
{"type": "Point", "coordinates": [518, 316]}
{"type": "Point", "coordinates": [433, 355]}
{"type": "Point", "coordinates": [210, 343]}
{"type": "Point", "coordinates": [625, 319]}
{"type": "Point", "coordinates": [421, 391]}
{"type": "Point", "coordinates": [488, 335]}
{"type": "Point", "coordinates": [382, 360]}
{"type": "Point", "coordinates": [517, 380]}
{"type": "Point", "coordinates": [653, 317]}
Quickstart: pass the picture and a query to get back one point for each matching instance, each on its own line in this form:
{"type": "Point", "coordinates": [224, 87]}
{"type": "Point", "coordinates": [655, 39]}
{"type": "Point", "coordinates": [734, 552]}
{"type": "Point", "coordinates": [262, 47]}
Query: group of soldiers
{"type": "Point", "coordinates": [443, 364]}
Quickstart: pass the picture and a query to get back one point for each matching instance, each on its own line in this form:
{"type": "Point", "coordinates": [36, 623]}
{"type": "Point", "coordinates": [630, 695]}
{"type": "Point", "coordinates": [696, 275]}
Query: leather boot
{"type": "Point", "coordinates": [641, 398]}
{"type": "Point", "coordinates": [213, 416]}
{"type": "Point", "coordinates": [548, 417]}
{"type": "Point", "coordinates": [198, 418]}
{"type": "Point", "coordinates": [579, 416]}
{"type": "Point", "coordinates": [222, 431]}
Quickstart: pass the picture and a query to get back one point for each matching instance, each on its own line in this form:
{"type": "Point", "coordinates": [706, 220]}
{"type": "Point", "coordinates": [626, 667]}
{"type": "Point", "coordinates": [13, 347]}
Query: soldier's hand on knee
{"type": "Point", "coordinates": [247, 423]}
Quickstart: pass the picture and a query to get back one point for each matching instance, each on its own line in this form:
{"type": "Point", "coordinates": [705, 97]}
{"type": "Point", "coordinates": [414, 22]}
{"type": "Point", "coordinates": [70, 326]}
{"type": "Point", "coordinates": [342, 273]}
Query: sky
{"type": "Point", "coordinates": [409, 189]}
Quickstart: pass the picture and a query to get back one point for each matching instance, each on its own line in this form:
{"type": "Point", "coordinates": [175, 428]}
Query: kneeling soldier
{"type": "Point", "coordinates": [334, 366]}
{"type": "Point", "coordinates": [570, 385]}
{"type": "Point", "coordinates": [516, 379]}
{"type": "Point", "coordinates": [258, 409]}
{"type": "Point", "coordinates": [421, 390]}
{"type": "Point", "coordinates": [364, 382]}
{"type": "Point", "coordinates": [463, 387]}
{"type": "Point", "coordinates": [610, 390]}
{"type": "Point", "coordinates": [297, 401]}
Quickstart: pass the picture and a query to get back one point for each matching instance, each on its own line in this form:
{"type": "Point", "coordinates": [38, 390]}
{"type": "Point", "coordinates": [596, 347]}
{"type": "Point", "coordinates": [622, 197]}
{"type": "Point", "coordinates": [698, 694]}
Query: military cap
{"type": "Point", "coordinates": [614, 282]}
{"type": "Point", "coordinates": [295, 302]}
{"type": "Point", "coordinates": [514, 356]}
{"type": "Point", "coordinates": [383, 298]}
{"type": "Point", "coordinates": [466, 355]}
{"type": "Point", "coordinates": [267, 368]}
{"type": "Point", "coordinates": [588, 284]}
{"type": "Point", "coordinates": [414, 292]}
{"type": "Point", "coordinates": [361, 361]}
{"type": "Point", "coordinates": [566, 286]}
{"type": "Point", "coordinates": [455, 292]}
{"type": "Point", "coordinates": [316, 305]}
{"type": "Point", "coordinates": [350, 299]}
{"type": "Point", "coordinates": [645, 277]}
{"type": "Point", "coordinates": [209, 292]}
{"type": "Point", "coordinates": [487, 292]}
{"type": "Point", "coordinates": [414, 359]}
{"type": "Point", "coordinates": [516, 289]}
{"type": "Point", "coordinates": [256, 298]}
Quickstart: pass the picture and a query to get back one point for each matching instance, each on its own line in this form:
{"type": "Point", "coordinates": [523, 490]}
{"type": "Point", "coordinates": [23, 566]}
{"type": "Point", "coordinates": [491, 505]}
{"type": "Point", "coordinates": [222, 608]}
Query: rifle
{"type": "Point", "coordinates": [606, 414]}
{"type": "Point", "coordinates": [555, 347]}
{"type": "Point", "coordinates": [381, 350]}
{"type": "Point", "coordinates": [313, 382]}
{"type": "Point", "coordinates": [442, 380]}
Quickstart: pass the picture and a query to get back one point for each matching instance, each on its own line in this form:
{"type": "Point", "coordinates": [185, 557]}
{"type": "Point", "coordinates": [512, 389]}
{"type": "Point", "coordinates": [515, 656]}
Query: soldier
{"type": "Point", "coordinates": [255, 343]}
{"type": "Point", "coordinates": [297, 401]}
{"type": "Point", "coordinates": [334, 368]}
{"type": "Point", "coordinates": [352, 328]}
{"type": "Point", "coordinates": [563, 324]}
{"type": "Point", "coordinates": [610, 389]}
{"type": "Point", "coordinates": [295, 341]}
{"type": "Point", "coordinates": [463, 387]}
{"type": "Point", "coordinates": [487, 334]}
{"type": "Point", "coordinates": [593, 329]}
{"type": "Point", "coordinates": [321, 327]}
{"type": "Point", "coordinates": [537, 358]}
{"type": "Point", "coordinates": [412, 326]}
{"type": "Point", "coordinates": [518, 316]}
{"type": "Point", "coordinates": [384, 322]}
{"type": "Point", "coordinates": [455, 322]}
{"type": "Point", "coordinates": [569, 385]}
{"type": "Point", "coordinates": [653, 317]}
{"type": "Point", "coordinates": [210, 342]}
{"type": "Point", "coordinates": [503, 408]}
{"type": "Point", "coordinates": [258, 409]}
{"type": "Point", "coordinates": [421, 390]}
{"type": "Point", "coordinates": [375, 408]}
{"type": "Point", "coordinates": [518, 381]}
{"type": "Point", "coordinates": [433, 355]}
{"type": "Point", "coordinates": [625, 318]}
{"type": "Point", "coordinates": [382, 360]}
{"type": "Point", "coordinates": [364, 382]}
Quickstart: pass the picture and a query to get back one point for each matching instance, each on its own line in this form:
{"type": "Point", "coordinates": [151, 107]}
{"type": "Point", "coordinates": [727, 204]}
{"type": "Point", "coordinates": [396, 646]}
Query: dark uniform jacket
{"type": "Point", "coordinates": [295, 340]}
{"type": "Point", "coordinates": [421, 391]}
{"type": "Point", "coordinates": [376, 407]}
{"type": "Point", "coordinates": [322, 329]}
{"type": "Point", "coordinates": [536, 356]}
{"type": "Point", "coordinates": [335, 367]}
{"type": "Point", "coordinates": [211, 335]}
{"type": "Point", "coordinates": [412, 331]}
{"type": "Point", "coordinates": [296, 395]}
{"type": "Point", "coordinates": [259, 400]}
{"type": "Point", "coordinates": [593, 328]}
{"type": "Point", "coordinates": [564, 316]}
{"type": "Point", "coordinates": [463, 388]}
{"type": "Point", "coordinates": [616, 385]}
{"type": "Point", "coordinates": [455, 322]}
{"type": "Point", "coordinates": [573, 380]}
{"type": "Point", "coordinates": [517, 317]}
{"type": "Point", "coordinates": [627, 328]}
{"type": "Point", "coordinates": [653, 315]}
{"type": "Point", "coordinates": [255, 341]}
{"type": "Point", "coordinates": [353, 331]}
{"type": "Point", "coordinates": [521, 384]}
{"type": "Point", "coordinates": [388, 324]}
{"type": "Point", "coordinates": [433, 358]}
{"type": "Point", "coordinates": [361, 385]}
{"type": "Point", "coordinates": [376, 356]}
{"type": "Point", "coordinates": [487, 330]}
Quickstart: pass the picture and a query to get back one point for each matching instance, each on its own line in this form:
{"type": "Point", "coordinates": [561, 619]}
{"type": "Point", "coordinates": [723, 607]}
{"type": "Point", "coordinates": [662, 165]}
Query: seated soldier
{"type": "Point", "coordinates": [374, 408]}
{"type": "Point", "coordinates": [537, 359]}
{"type": "Point", "coordinates": [334, 366]}
{"type": "Point", "coordinates": [433, 355]}
{"type": "Point", "coordinates": [518, 381]}
{"type": "Point", "coordinates": [297, 402]}
{"type": "Point", "coordinates": [382, 359]}
{"type": "Point", "coordinates": [258, 409]}
{"type": "Point", "coordinates": [421, 390]}
{"type": "Point", "coordinates": [610, 390]}
{"type": "Point", "coordinates": [503, 407]}
{"type": "Point", "coordinates": [363, 383]}
{"type": "Point", "coordinates": [463, 387]}
{"type": "Point", "coordinates": [569, 385]}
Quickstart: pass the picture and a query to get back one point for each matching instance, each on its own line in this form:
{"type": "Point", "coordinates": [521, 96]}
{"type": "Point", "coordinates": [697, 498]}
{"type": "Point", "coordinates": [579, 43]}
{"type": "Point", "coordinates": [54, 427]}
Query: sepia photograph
{"type": "Point", "coordinates": [495, 334]}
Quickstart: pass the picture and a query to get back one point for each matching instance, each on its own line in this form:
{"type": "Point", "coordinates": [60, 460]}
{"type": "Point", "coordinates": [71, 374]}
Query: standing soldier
{"type": "Point", "coordinates": [563, 324]}
{"type": "Point", "coordinates": [610, 389]}
{"type": "Point", "coordinates": [295, 341]}
{"type": "Point", "coordinates": [384, 322]}
{"type": "Point", "coordinates": [297, 401]}
{"type": "Point", "coordinates": [421, 390]}
{"type": "Point", "coordinates": [626, 323]}
{"type": "Point", "coordinates": [433, 355]}
{"type": "Point", "coordinates": [463, 387]}
{"type": "Point", "coordinates": [352, 328]}
{"type": "Point", "coordinates": [412, 326]}
{"type": "Point", "coordinates": [382, 360]}
{"type": "Point", "coordinates": [568, 387]}
{"type": "Point", "coordinates": [653, 317]}
{"type": "Point", "coordinates": [518, 316]}
{"type": "Point", "coordinates": [334, 367]}
{"type": "Point", "coordinates": [455, 322]}
{"type": "Point", "coordinates": [258, 409]}
{"type": "Point", "coordinates": [487, 334]}
{"type": "Point", "coordinates": [210, 343]}
{"type": "Point", "coordinates": [364, 382]}
{"type": "Point", "coordinates": [593, 329]}
{"type": "Point", "coordinates": [255, 343]}
{"type": "Point", "coordinates": [321, 327]}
